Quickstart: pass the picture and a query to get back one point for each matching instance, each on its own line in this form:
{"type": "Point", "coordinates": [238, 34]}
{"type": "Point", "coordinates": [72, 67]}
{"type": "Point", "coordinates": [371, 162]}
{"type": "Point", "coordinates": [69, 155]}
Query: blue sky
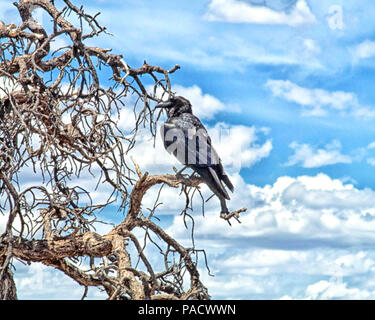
{"type": "Point", "coordinates": [292, 83]}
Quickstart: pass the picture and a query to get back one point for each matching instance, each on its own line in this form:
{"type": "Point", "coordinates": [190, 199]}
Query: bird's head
{"type": "Point", "coordinates": [175, 106]}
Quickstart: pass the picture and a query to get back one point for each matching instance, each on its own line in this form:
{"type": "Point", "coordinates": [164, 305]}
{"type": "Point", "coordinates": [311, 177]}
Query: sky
{"type": "Point", "coordinates": [285, 88]}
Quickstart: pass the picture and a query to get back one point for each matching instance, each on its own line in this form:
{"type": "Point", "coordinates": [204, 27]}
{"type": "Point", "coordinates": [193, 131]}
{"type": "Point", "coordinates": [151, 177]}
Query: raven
{"type": "Point", "coordinates": [185, 136]}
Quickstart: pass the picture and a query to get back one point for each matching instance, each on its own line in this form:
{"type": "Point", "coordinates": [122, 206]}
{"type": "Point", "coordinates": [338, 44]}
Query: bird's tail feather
{"type": "Point", "coordinates": [227, 182]}
{"type": "Point", "coordinates": [217, 184]}
{"type": "Point", "coordinates": [224, 177]}
{"type": "Point", "coordinates": [214, 179]}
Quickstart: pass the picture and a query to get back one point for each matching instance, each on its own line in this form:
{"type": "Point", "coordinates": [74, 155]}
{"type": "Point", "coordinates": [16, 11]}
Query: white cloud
{"type": "Point", "coordinates": [205, 106]}
{"type": "Point", "coordinates": [7, 85]}
{"type": "Point", "coordinates": [312, 100]}
{"type": "Point", "coordinates": [244, 151]}
{"type": "Point", "coordinates": [364, 50]}
{"type": "Point", "coordinates": [327, 263]}
{"type": "Point", "coordinates": [311, 157]}
{"type": "Point", "coordinates": [364, 112]}
{"type": "Point", "coordinates": [311, 47]}
{"type": "Point", "coordinates": [237, 11]}
{"type": "Point", "coordinates": [58, 43]}
{"type": "Point", "coordinates": [327, 195]}
{"type": "Point", "coordinates": [336, 289]}
{"type": "Point", "coordinates": [38, 281]}
{"type": "Point", "coordinates": [297, 232]}
{"type": "Point", "coordinates": [303, 210]}
{"type": "Point", "coordinates": [365, 153]}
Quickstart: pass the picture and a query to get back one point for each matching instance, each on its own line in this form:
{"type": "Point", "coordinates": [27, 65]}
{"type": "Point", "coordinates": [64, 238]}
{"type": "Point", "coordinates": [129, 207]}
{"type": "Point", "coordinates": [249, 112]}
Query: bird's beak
{"type": "Point", "coordinates": [165, 104]}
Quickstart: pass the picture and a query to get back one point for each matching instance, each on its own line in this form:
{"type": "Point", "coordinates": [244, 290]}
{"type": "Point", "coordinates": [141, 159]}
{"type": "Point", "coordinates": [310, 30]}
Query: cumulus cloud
{"type": "Point", "coordinates": [245, 148]}
{"type": "Point", "coordinates": [336, 289]}
{"type": "Point", "coordinates": [307, 211]}
{"type": "Point", "coordinates": [58, 43]}
{"type": "Point", "coordinates": [237, 11]}
{"type": "Point", "coordinates": [297, 233]}
{"type": "Point", "coordinates": [205, 106]}
{"type": "Point", "coordinates": [364, 50]}
{"type": "Point", "coordinates": [311, 47]}
{"type": "Point", "coordinates": [286, 274]}
{"type": "Point", "coordinates": [314, 101]}
{"type": "Point", "coordinates": [38, 281]}
{"type": "Point", "coordinates": [308, 156]}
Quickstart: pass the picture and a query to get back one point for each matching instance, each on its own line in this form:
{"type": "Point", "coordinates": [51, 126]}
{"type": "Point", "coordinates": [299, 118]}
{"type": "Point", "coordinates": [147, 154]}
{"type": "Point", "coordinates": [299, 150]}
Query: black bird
{"type": "Point", "coordinates": [185, 136]}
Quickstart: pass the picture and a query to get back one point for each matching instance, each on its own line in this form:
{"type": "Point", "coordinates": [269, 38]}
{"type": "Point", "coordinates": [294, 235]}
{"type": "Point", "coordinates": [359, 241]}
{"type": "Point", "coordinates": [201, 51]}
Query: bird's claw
{"type": "Point", "coordinates": [235, 214]}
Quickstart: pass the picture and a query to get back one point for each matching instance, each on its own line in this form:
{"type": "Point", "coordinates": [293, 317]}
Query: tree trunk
{"type": "Point", "coordinates": [8, 289]}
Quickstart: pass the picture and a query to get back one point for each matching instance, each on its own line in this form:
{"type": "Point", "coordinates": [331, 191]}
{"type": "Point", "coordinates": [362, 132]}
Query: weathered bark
{"type": "Point", "coordinates": [8, 289]}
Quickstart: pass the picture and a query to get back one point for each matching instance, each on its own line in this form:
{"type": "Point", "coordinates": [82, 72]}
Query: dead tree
{"type": "Point", "coordinates": [57, 119]}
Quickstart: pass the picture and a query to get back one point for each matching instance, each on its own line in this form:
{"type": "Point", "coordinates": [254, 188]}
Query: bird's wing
{"type": "Point", "coordinates": [189, 141]}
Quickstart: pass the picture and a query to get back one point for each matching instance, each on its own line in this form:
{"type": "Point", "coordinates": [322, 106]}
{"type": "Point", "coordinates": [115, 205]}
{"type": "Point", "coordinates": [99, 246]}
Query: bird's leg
{"type": "Point", "coordinates": [224, 210]}
{"type": "Point", "coordinates": [224, 214]}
